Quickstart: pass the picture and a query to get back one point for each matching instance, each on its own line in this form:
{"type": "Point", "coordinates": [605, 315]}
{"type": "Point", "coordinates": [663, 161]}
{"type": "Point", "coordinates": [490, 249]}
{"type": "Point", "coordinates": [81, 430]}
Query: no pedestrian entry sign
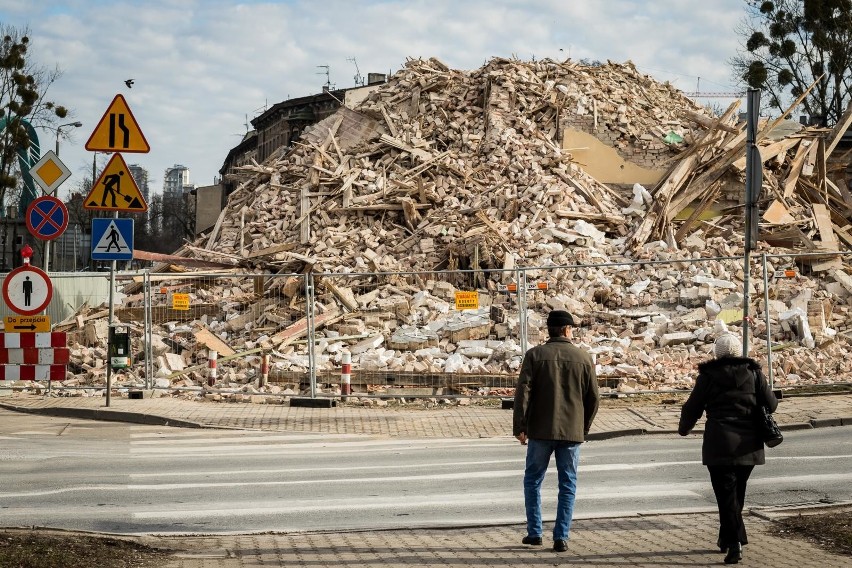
{"type": "Point", "coordinates": [27, 290]}
{"type": "Point", "coordinates": [47, 218]}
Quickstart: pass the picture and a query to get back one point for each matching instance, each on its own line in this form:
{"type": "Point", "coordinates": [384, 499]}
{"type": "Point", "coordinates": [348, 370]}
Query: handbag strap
{"type": "Point", "coordinates": [758, 392]}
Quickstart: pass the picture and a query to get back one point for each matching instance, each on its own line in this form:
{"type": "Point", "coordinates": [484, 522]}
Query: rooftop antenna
{"type": "Point", "coordinates": [359, 80]}
{"type": "Point", "coordinates": [327, 74]}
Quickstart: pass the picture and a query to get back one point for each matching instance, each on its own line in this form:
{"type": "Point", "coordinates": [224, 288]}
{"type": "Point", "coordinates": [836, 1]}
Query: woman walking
{"type": "Point", "coordinates": [729, 389]}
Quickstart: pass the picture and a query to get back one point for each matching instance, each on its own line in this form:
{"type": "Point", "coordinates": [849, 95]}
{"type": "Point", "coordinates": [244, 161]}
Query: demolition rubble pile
{"type": "Point", "coordinates": [442, 169]}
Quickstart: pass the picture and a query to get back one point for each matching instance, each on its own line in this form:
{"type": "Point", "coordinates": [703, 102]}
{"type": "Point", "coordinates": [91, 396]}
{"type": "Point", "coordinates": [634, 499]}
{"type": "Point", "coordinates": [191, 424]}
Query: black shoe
{"type": "Point", "coordinates": [735, 554]}
{"type": "Point", "coordinates": [536, 540]}
{"type": "Point", "coordinates": [560, 545]}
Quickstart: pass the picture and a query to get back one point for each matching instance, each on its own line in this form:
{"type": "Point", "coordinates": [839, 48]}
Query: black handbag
{"type": "Point", "coordinates": [768, 429]}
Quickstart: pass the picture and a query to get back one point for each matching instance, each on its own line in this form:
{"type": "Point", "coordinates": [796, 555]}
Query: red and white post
{"type": "Point", "coordinates": [346, 374]}
{"type": "Point", "coordinates": [212, 372]}
{"type": "Point", "coordinates": [264, 369]}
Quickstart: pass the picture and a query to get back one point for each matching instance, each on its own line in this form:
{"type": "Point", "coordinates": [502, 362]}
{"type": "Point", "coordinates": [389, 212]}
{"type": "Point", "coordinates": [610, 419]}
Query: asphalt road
{"type": "Point", "coordinates": [114, 477]}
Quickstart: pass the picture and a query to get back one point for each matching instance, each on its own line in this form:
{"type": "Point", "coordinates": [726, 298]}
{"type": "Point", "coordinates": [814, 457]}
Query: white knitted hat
{"type": "Point", "coordinates": [727, 345]}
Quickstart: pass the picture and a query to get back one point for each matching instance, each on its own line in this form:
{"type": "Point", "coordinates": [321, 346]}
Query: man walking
{"type": "Point", "coordinates": [555, 402]}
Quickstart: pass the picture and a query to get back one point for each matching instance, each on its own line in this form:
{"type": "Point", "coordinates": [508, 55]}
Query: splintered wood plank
{"type": "Point", "coordinates": [777, 214]}
{"type": "Point", "coordinates": [205, 337]}
{"type": "Point", "coordinates": [823, 222]}
{"type": "Point", "coordinates": [796, 168]}
{"type": "Point", "coordinates": [839, 130]}
{"type": "Point", "coordinates": [769, 152]}
{"type": "Point", "coordinates": [300, 328]}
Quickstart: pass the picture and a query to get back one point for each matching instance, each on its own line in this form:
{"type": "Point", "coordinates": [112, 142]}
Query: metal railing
{"type": "Point", "coordinates": [421, 334]}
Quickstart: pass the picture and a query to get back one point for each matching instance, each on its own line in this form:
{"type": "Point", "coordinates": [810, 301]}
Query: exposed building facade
{"type": "Point", "coordinates": [278, 127]}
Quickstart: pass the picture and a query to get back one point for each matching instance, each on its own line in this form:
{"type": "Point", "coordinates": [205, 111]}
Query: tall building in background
{"type": "Point", "coordinates": [140, 176]}
{"type": "Point", "coordinates": [176, 181]}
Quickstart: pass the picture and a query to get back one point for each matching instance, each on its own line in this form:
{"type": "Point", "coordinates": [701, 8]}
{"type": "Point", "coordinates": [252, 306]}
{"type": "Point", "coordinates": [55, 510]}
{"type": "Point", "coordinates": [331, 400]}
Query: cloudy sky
{"type": "Point", "coordinates": [203, 68]}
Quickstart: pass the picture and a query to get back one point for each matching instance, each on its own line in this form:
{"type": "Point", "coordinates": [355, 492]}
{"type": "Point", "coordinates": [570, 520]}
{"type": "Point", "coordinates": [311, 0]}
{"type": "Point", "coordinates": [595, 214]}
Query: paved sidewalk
{"type": "Point", "coordinates": [655, 540]}
{"type": "Point", "coordinates": [616, 417]}
{"type": "Point", "coordinates": [644, 541]}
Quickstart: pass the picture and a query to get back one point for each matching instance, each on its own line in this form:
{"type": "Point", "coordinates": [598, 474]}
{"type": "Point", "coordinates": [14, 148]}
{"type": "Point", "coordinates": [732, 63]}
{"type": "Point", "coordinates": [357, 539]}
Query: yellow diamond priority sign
{"type": "Point", "coordinates": [50, 172]}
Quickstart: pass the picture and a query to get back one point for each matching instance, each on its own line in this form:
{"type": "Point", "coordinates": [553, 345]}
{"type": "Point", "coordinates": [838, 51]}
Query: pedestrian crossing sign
{"type": "Point", "coordinates": [116, 190]}
{"type": "Point", "coordinates": [112, 239]}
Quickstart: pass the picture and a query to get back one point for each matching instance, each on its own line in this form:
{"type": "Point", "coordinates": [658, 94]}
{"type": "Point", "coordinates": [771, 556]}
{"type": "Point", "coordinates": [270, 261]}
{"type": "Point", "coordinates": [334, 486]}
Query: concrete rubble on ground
{"type": "Point", "coordinates": [441, 170]}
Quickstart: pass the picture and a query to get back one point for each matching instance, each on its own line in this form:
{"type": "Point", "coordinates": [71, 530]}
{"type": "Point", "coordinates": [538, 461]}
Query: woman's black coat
{"type": "Point", "coordinates": [725, 389]}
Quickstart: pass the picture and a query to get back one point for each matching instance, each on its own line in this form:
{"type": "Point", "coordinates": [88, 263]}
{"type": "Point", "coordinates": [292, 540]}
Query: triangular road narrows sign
{"type": "Point", "coordinates": [116, 190]}
{"type": "Point", "coordinates": [118, 131]}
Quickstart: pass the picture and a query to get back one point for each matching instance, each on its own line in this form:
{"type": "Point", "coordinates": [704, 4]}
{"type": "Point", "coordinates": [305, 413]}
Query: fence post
{"type": "Point", "coordinates": [769, 374]}
{"type": "Point", "coordinates": [148, 326]}
{"type": "Point", "coordinates": [212, 372]}
{"type": "Point", "coordinates": [309, 314]}
{"type": "Point", "coordinates": [346, 374]}
{"type": "Point", "coordinates": [264, 370]}
{"type": "Point", "coordinates": [521, 296]}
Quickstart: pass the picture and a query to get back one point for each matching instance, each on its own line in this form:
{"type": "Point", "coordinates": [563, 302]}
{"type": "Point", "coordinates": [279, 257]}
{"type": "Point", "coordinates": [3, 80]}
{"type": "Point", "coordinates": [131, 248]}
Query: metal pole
{"type": "Point", "coordinates": [309, 312]}
{"type": "Point", "coordinates": [769, 375]}
{"type": "Point", "coordinates": [111, 319]}
{"type": "Point", "coordinates": [523, 321]}
{"type": "Point", "coordinates": [146, 288]}
{"type": "Point", "coordinates": [149, 356]}
{"type": "Point", "coordinates": [753, 182]}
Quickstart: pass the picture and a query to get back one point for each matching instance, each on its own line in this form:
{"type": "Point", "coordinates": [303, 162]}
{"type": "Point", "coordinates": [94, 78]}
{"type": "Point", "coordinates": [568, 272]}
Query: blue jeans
{"type": "Point", "coordinates": [538, 458]}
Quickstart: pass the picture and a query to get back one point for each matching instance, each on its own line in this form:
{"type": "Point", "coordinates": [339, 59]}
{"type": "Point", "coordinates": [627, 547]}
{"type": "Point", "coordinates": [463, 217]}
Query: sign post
{"type": "Point", "coordinates": [27, 290]}
{"type": "Point", "coordinates": [115, 190]}
{"type": "Point", "coordinates": [47, 216]}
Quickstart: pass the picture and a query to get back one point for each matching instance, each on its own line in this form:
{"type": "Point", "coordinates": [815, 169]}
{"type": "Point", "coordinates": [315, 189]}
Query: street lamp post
{"type": "Point", "coordinates": [76, 124]}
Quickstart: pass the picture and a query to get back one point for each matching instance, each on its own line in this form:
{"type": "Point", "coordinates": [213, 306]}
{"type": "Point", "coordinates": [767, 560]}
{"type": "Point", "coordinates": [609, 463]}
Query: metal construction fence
{"type": "Point", "coordinates": [455, 333]}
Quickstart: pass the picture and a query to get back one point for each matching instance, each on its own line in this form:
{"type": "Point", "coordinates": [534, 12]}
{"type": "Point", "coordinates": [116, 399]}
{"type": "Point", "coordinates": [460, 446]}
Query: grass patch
{"type": "Point", "coordinates": [829, 531]}
{"type": "Point", "coordinates": [32, 549]}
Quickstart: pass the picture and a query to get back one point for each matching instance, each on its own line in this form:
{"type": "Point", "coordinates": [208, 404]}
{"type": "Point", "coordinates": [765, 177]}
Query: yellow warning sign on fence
{"type": "Point", "coordinates": [180, 301]}
{"type": "Point", "coordinates": [467, 300]}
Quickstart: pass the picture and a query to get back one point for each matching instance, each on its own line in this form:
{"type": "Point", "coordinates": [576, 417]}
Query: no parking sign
{"type": "Point", "coordinates": [47, 218]}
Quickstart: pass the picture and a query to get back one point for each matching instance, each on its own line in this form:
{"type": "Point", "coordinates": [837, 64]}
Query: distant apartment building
{"type": "Point", "coordinates": [176, 181]}
{"type": "Point", "coordinates": [140, 176]}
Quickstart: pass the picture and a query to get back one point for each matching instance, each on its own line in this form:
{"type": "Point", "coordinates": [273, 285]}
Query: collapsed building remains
{"type": "Point", "coordinates": [619, 192]}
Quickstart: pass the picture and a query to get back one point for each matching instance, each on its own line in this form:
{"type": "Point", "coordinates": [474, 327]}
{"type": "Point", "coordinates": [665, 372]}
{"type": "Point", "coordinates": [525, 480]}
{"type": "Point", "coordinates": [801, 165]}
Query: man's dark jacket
{"type": "Point", "coordinates": [557, 393]}
{"type": "Point", "coordinates": [728, 389]}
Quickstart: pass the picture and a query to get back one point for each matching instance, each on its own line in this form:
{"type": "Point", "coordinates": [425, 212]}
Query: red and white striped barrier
{"type": "Point", "coordinates": [32, 372]}
{"type": "Point", "coordinates": [346, 373]}
{"type": "Point", "coordinates": [212, 372]}
{"type": "Point", "coordinates": [264, 369]}
{"type": "Point", "coordinates": [39, 340]}
{"type": "Point", "coordinates": [32, 356]}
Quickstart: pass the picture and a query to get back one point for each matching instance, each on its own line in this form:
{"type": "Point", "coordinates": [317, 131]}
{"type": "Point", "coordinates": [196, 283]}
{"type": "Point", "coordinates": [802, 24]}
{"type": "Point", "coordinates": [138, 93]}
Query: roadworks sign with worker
{"type": "Point", "coordinates": [116, 190]}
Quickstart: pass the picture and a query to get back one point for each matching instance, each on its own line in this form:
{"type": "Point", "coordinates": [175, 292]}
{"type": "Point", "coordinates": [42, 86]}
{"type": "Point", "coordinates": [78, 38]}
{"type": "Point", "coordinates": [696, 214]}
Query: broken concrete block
{"type": "Point", "coordinates": [678, 338]}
